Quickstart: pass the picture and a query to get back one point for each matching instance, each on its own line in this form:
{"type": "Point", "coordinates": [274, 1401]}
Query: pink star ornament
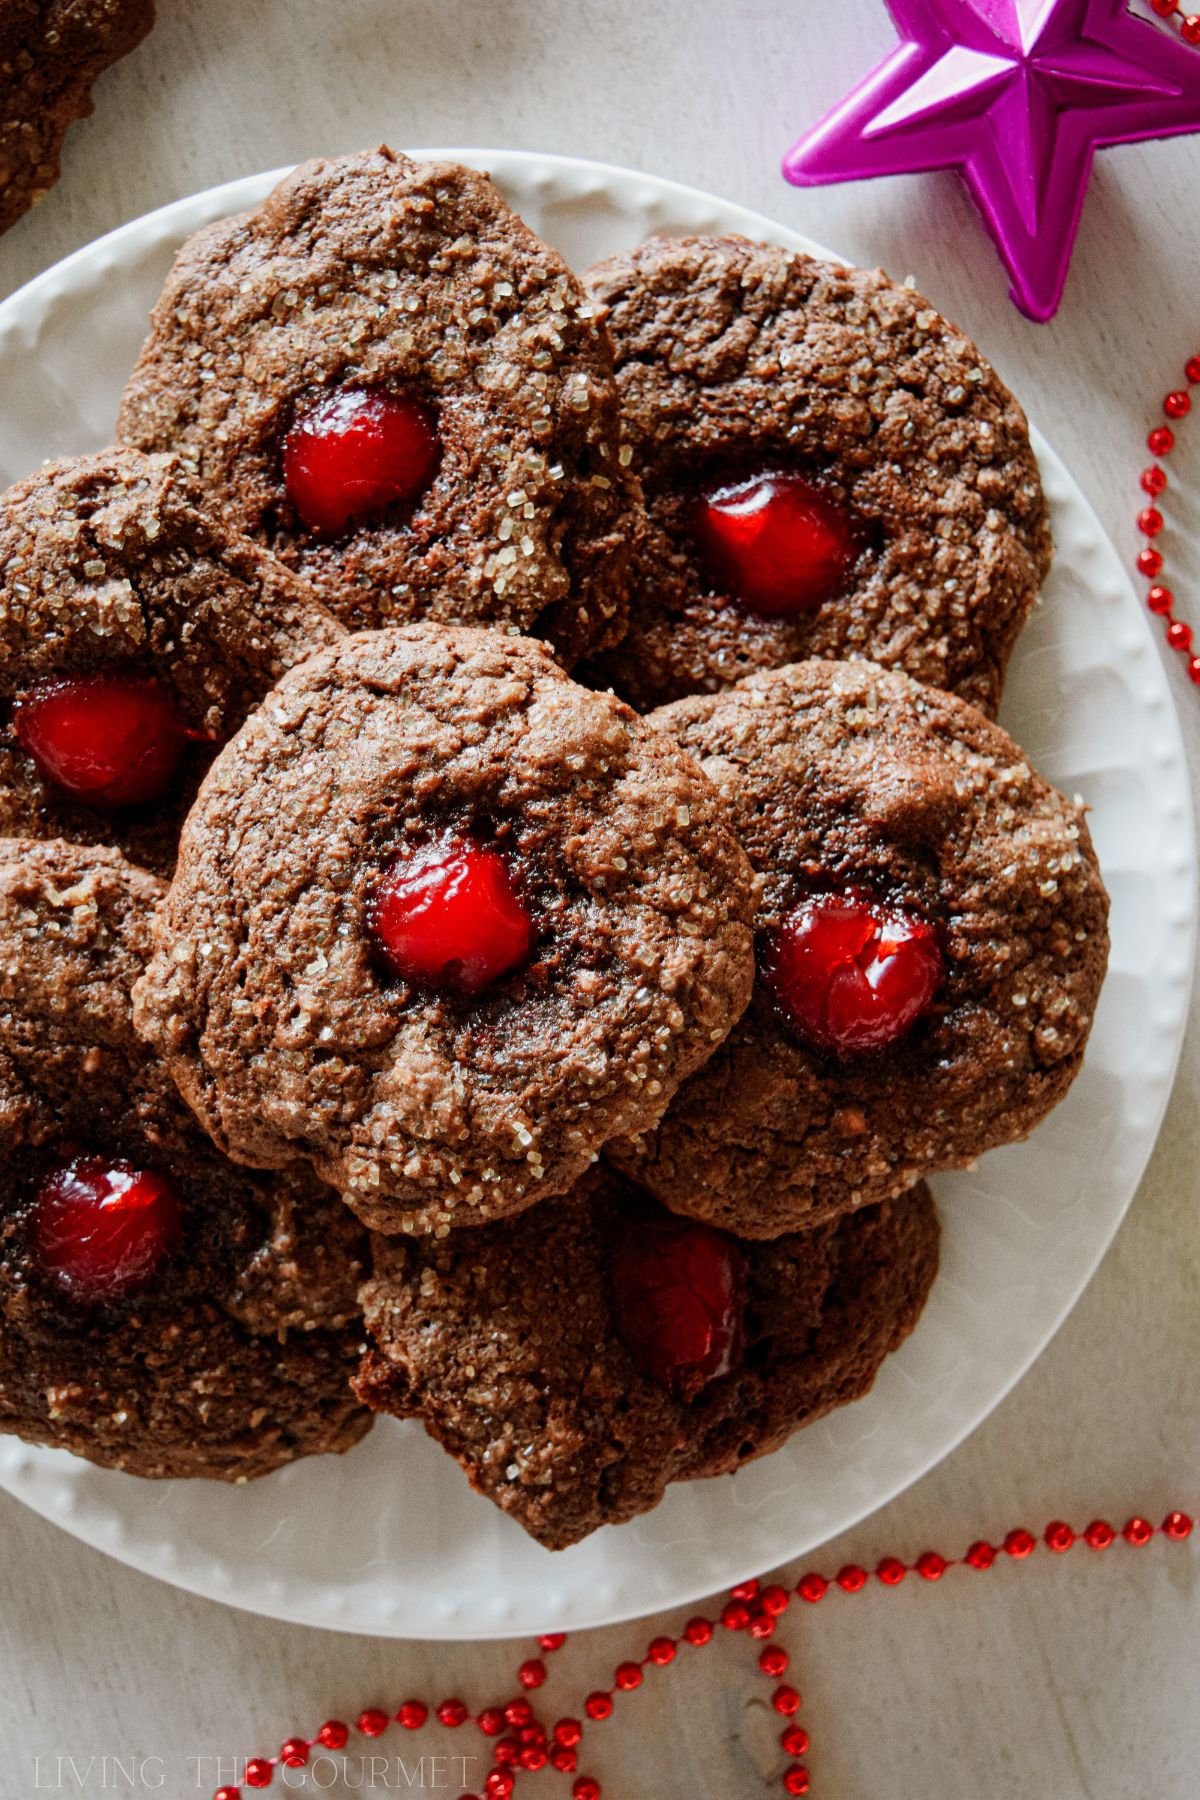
{"type": "Point", "coordinates": [1018, 95]}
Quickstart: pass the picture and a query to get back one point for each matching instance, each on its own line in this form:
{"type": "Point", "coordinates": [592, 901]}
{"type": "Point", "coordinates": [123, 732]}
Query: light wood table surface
{"type": "Point", "coordinates": [1077, 1677]}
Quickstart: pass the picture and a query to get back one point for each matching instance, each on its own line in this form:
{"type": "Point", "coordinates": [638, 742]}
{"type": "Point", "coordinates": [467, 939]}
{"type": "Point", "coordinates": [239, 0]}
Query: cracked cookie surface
{"type": "Point", "coordinates": [112, 565]}
{"type": "Point", "coordinates": [736, 358]}
{"type": "Point", "coordinates": [504, 1343]}
{"type": "Point", "coordinates": [375, 273]}
{"type": "Point", "coordinates": [235, 1356]}
{"type": "Point", "coordinates": [430, 1108]}
{"type": "Point", "coordinates": [844, 777]}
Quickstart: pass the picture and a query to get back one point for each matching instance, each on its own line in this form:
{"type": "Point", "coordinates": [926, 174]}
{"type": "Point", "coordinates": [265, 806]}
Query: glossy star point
{"type": "Point", "coordinates": [1017, 95]}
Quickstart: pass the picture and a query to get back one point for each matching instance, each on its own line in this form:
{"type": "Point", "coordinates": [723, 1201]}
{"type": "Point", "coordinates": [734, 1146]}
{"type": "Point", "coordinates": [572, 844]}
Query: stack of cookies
{"type": "Point", "coordinates": [395, 1021]}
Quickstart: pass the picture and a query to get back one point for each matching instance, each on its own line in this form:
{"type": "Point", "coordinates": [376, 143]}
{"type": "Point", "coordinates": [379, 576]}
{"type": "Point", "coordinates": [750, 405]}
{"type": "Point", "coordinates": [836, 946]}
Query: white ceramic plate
{"type": "Point", "coordinates": [389, 1539]}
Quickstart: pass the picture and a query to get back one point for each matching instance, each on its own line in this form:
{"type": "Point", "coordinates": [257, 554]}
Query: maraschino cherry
{"type": "Point", "coordinates": [449, 917]}
{"type": "Point", "coordinates": [102, 1228]}
{"type": "Point", "coordinates": [775, 543]}
{"type": "Point", "coordinates": [108, 740]}
{"type": "Point", "coordinates": [678, 1295]}
{"type": "Point", "coordinates": [358, 450]}
{"type": "Point", "coordinates": [852, 975]}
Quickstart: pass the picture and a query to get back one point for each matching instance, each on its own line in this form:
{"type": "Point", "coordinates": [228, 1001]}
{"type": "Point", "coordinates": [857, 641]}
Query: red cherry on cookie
{"type": "Point", "coordinates": [108, 740]}
{"type": "Point", "coordinates": [776, 543]}
{"type": "Point", "coordinates": [102, 1228]}
{"type": "Point", "coordinates": [852, 975]}
{"type": "Point", "coordinates": [450, 917]}
{"type": "Point", "coordinates": [358, 450]}
{"type": "Point", "coordinates": [678, 1299]}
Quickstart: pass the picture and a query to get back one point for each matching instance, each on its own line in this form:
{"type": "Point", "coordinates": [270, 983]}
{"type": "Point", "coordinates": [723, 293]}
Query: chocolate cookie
{"type": "Point", "coordinates": [830, 469]}
{"type": "Point", "coordinates": [51, 51]}
{"type": "Point", "coordinates": [136, 633]}
{"type": "Point", "coordinates": [443, 922]}
{"type": "Point", "coordinates": [382, 373]}
{"type": "Point", "coordinates": [577, 1359]}
{"type": "Point", "coordinates": [932, 940]}
{"type": "Point", "coordinates": [161, 1310]}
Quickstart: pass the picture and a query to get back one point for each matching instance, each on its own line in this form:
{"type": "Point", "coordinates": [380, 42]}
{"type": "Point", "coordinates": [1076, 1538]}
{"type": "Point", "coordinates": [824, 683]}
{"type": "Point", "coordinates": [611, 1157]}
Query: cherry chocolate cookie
{"type": "Point", "coordinates": [932, 938]}
{"type": "Point", "coordinates": [162, 1310]}
{"type": "Point", "coordinates": [579, 1358]}
{"type": "Point", "coordinates": [51, 51]}
{"type": "Point", "coordinates": [442, 923]}
{"type": "Point", "coordinates": [136, 633]}
{"type": "Point", "coordinates": [384, 375]}
{"type": "Point", "coordinates": [830, 469]}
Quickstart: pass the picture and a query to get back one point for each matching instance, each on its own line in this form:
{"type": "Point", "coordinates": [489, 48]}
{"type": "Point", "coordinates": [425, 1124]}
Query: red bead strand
{"type": "Point", "coordinates": [1161, 442]}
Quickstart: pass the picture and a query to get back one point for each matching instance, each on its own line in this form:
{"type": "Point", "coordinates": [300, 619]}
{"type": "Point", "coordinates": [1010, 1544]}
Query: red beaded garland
{"type": "Point", "coordinates": [530, 1749]}
{"type": "Point", "coordinates": [735, 1616]}
{"type": "Point", "coordinates": [552, 1640]}
{"type": "Point", "coordinates": [532, 1674]}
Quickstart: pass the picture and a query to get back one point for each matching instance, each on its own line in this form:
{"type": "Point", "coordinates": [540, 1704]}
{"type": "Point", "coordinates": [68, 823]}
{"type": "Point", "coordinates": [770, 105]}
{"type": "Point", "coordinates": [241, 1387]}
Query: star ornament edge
{"type": "Point", "coordinates": [950, 129]}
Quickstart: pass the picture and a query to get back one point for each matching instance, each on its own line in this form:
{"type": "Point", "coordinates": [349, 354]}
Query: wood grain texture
{"type": "Point", "coordinates": [1068, 1680]}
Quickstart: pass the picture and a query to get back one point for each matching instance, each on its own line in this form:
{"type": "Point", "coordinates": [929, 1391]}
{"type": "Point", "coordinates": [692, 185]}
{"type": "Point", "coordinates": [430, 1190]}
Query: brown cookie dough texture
{"type": "Point", "coordinates": [51, 51]}
{"type": "Point", "coordinates": [842, 775]}
{"type": "Point", "coordinates": [112, 562]}
{"type": "Point", "coordinates": [279, 1026]}
{"type": "Point", "coordinates": [736, 358]}
{"type": "Point", "coordinates": [502, 1343]}
{"type": "Point", "coordinates": [237, 1357]}
{"type": "Point", "coordinates": [375, 271]}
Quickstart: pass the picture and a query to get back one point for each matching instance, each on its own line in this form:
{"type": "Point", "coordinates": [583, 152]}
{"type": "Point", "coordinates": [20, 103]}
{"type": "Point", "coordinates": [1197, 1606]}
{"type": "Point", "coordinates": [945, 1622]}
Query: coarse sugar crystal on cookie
{"type": "Point", "coordinates": [932, 938]}
{"type": "Point", "coordinates": [162, 1310]}
{"type": "Point", "coordinates": [382, 373]}
{"type": "Point", "coordinates": [830, 469]}
{"type": "Point", "coordinates": [136, 633]}
{"type": "Point", "coordinates": [578, 1359]}
{"type": "Point", "coordinates": [443, 922]}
